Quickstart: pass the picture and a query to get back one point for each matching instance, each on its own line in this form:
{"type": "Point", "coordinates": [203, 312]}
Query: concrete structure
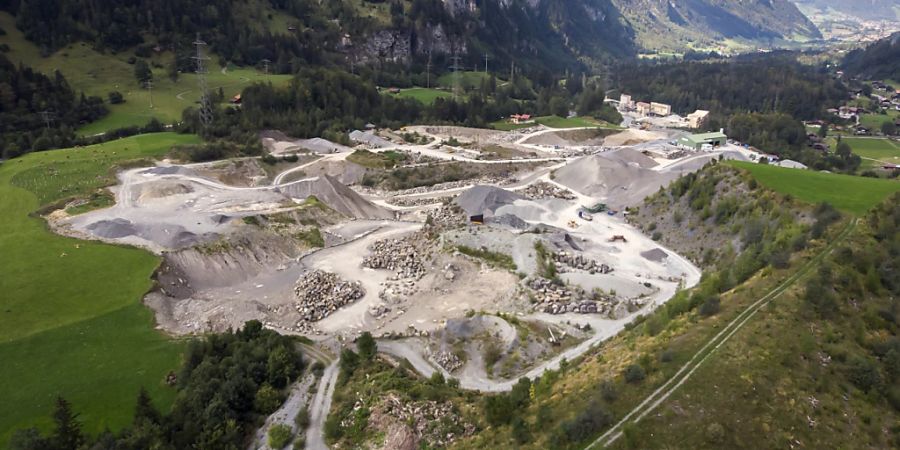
{"type": "Point", "coordinates": [698, 118]}
{"type": "Point", "coordinates": [660, 109]}
{"type": "Point", "coordinates": [697, 141]}
{"type": "Point", "coordinates": [643, 108]}
{"type": "Point", "coordinates": [625, 102]}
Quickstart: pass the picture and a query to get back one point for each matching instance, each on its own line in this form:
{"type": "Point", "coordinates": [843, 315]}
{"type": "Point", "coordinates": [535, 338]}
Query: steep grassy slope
{"type": "Point", "coordinates": [71, 321]}
{"type": "Point", "coordinates": [818, 368]}
{"type": "Point", "coordinates": [855, 195]}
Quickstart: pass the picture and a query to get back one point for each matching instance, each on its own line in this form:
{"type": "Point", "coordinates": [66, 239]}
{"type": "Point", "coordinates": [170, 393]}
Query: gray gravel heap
{"type": "Point", "coordinates": [402, 256]}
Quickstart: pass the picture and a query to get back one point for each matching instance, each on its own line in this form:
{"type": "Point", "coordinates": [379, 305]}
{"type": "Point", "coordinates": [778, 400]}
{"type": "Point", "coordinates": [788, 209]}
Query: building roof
{"type": "Point", "coordinates": [702, 138]}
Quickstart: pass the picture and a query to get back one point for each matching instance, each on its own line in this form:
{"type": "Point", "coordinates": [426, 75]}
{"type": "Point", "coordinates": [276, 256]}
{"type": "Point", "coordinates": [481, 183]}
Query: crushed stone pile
{"type": "Point", "coordinates": [613, 177]}
{"type": "Point", "coordinates": [321, 293]}
{"type": "Point", "coordinates": [542, 189]}
{"type": "Point", "coordinates": [485, 199]}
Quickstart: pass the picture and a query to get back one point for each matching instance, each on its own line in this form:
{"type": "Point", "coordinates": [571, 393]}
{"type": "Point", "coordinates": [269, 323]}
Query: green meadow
{"type": "Point", "coordinates": [71, 318]}
{"type": "Point", "coordinates": [94, 73]}
{"type": "Point", "coordinates": [851, 194]}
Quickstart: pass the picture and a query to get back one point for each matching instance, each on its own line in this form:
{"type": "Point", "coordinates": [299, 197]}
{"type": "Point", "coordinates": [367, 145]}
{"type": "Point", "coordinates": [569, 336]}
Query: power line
{"type": "Point", "coordinates": [149, 85]}
{"type": "Point", "coordinates": [205, 103]}
{"type": "Point", "coordinates": [486, 58]}
{"type": "Point", "coordinates": [428, 71]}
{"type": "Point", "coordinates": [455, 68]}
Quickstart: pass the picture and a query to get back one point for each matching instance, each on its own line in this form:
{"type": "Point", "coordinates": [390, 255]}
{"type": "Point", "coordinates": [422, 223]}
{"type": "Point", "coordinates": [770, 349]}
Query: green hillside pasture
{"type": "Point", "coordinates": [874, 121]}
{"type": "Point", "coordinates": [424, 95]}
{"type": "Point", "coordinates": [851, 194]}
{"type": "Point", "coordinates": [875, 152]}
{"type": "Point", "coordinates": [71, 321]}
{"type": "Point", "coordinates": [95, 73]}
{"type": "Point", "coordinates": [467, 80]}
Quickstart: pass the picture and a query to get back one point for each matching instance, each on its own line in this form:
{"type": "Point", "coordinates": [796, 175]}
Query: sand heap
{"type": "Point", "coordinates": [485, 200]}
{"type": "Point", "coordinates": [619, 178]}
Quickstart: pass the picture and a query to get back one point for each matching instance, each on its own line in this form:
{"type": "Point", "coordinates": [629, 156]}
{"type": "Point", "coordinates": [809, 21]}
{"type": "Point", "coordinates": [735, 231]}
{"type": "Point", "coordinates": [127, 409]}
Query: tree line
{"type": "Point", "coordinates": [227, 384]}
{"type": "Point", "coordinates": [39, 112]}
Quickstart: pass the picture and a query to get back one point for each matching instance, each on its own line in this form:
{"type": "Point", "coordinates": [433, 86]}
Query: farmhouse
{"type": "Point", "coordinates": [520, 118]}
{"type": "Point", "coordinates": [697, 141]}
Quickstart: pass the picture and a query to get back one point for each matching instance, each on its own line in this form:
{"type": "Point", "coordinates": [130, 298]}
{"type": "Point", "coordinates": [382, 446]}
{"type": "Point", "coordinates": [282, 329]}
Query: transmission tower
{"type": "Point", "coordinates": [428, 71]}
{"type": "Point", "coordinates": [48, 116]}
{"type": "Point", "coordinates": [455, 68]}
{"type": "Point", "coordinates": [266, 66]}
{"type": "Point", "coordinates": [205, 103]}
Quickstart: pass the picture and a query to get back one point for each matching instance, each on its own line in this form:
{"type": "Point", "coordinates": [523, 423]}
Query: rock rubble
{"type": "Point", "coordinates": [543, 189]}
{"type": "Point", "coordinates": [321, 293]}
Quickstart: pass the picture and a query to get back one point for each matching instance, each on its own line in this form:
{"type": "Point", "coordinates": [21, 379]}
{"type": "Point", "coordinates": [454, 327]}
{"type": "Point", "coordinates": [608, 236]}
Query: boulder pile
{"type": "Point", "coordinates": [321, 293]}
{"type": "Point", "coordinates": [436, 424]}
{"type": "Point", "coordinates": [417, 201]}
{"type": "Point", "coordinates": [554, 298]}
{"type": "Point", "coordinates": [565, 260]}
{"type": "Point", "coordinates": [543, 189]}
{"type": "Point", "coordinates": [448, 360]}
{"type": "Point", "coordinates": [402, 256]}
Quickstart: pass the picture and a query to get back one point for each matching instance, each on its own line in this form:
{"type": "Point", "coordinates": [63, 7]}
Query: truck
{"type": "Point", "coordinates": [583, 215]}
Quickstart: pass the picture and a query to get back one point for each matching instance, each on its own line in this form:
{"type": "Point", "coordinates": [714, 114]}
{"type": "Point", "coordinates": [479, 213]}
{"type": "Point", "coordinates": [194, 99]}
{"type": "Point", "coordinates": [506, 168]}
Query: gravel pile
{"type": "Point", "coordinates": [566, 260]}
{"type": "Point", "coordinates": [542, 189]}
{"type": "Point", "coordinates": [321, 293]}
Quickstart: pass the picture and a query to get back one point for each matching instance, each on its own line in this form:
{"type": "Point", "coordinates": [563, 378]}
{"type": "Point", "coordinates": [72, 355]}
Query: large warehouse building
{"type": "Point", "coordinates": [697, 141]}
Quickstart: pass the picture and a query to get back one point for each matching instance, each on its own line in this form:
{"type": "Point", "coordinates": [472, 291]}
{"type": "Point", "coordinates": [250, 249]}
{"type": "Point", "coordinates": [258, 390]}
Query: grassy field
{"type": "Point", "coordinates": [851, 194]}
{"type": "Point", "coordinates": [99, 74]}
{"type": "Point", "coordinates": [875, 151]}
{"type": "Point", "coordinates": [71, 321]}
{"type": "Point", "coordinates": [424, 95]}
{"type": "Point", "coordinates": [874, 121]}
{"type": "Point", "coordinates": [467, 80]}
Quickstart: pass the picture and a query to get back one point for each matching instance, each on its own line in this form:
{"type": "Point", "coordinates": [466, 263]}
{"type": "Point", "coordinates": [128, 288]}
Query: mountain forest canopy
{"type": "Point", "coordinates": [38, 112]}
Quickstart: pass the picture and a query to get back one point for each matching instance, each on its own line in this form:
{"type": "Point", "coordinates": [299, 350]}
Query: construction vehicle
{"type": "Point", "coordinates": [599, 207]}
{"type": "Point", "coordinates": [583, 215]}
{"type": "Point", "coordinates": [552, 339]}
{"type": "Point", "coordinates": [617, 238]}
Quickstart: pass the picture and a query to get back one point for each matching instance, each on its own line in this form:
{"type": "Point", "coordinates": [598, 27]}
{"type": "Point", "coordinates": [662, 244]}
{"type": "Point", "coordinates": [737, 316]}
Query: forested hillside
{"type": "Point", "coordinates": [878, 61]}
{"type": "Point", "coordinates": [775, 83]}
{"type": "Point", "coordinates": [39, 111]}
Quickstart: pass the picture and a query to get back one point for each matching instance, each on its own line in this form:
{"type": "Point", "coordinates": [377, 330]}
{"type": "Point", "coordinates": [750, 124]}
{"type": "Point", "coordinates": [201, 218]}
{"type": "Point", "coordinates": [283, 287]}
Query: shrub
{"type": "Point", "coordinates": [279, 436]}
{"type": "Point", "coordinates": [864, 374]}
{"type": "Point", "coordinates": [302, 419]}
{"type": "Point", "coordinates": [608, 391]}
{"type": "Point", "coordinates": [715, 433]}
{"type": "Point", "coordinates": [710, 307]}
{"type": "Point", "coordinates": [656, 235]}
{"type": "Point", "coordinates": [115, 98]}
{"type": "Point", "coordinates": [267, 400]}
{"type": "Point", "coordinates": [366, 346]}
{"type": "Point", "coordinates": [635, 373]}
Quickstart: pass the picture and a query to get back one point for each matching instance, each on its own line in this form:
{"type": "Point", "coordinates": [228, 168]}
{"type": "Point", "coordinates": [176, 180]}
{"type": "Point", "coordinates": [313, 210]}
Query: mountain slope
{"type": "Point", "coordinates": [878, 61]}
{"type": "Point", "coordinates": [863, 9]}
{"type": "Point", "coordinates": [671, 24]}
